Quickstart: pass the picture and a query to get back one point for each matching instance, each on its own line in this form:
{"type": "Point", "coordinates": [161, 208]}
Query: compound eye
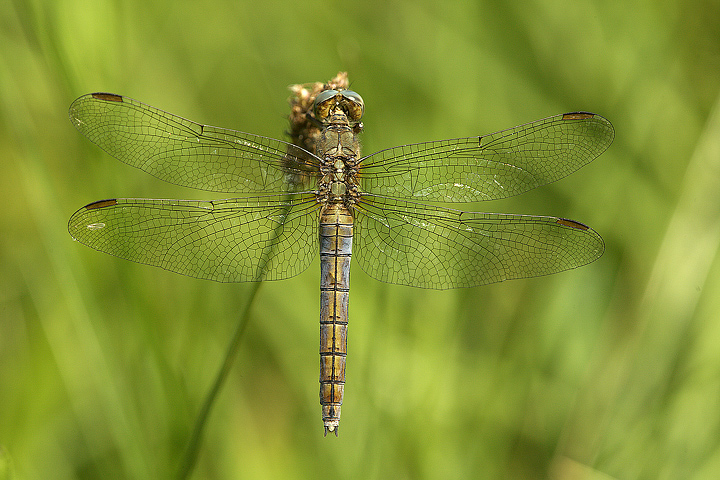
{"type": "Point", "coordinates": [350, 102]}
{"type": "Point", "coordinates": [323, 102]}
{"type": "Point", "coordinates": [326, 95]}
{"type": "Point", "coordinates": [354, 105]}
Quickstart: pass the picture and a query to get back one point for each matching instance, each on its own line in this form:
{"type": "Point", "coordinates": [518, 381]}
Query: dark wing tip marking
{"type": "Point", "coordinates": [108, 97]}
{"type": "Point", "coordinates": [101, 204]}
{"type": "Point", "coordinates": [578, 115]}
{"type": "Point", "coordinates": [572, 224]}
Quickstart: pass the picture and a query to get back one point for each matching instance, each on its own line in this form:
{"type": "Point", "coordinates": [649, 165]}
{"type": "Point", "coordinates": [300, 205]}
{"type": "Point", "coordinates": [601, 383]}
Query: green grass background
{"type": "Point", "coordinates": [608, 371]}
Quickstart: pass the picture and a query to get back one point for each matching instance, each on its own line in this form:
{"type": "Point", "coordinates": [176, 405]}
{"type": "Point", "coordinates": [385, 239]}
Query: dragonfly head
{"type": "Point", "coordinates": [329, 102]}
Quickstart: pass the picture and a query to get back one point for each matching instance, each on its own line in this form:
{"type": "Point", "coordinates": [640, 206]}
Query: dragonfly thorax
{"type": "Point", "coordinates": [338, 149]}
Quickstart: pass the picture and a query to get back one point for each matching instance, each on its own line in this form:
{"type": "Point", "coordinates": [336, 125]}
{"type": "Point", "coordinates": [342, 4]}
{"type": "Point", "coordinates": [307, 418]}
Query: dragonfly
{"type": "Point", "coordinates": [292, 202]}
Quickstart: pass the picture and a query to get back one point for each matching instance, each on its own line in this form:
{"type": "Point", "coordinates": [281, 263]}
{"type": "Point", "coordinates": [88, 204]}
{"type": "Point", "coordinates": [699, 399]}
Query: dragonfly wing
{"type": "Point", "coordinates": [434, 247]}
{"type": "Point", "coordinates": [236, 240]}
{"type": "Point", "coordinates": [189, 154]}
{"type": "Point", "coordinates": [499, 165]}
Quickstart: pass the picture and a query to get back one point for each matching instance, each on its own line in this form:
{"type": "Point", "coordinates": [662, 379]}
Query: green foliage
{"type": "Point", "coordinates": [608, 371]}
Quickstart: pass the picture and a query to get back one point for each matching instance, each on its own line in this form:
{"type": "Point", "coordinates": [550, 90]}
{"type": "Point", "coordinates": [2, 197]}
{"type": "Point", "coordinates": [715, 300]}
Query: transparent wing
{"type": "Point", "coordinates": [434, 247]}
{"type": "Point", "coordinates": [236, 240]}
{"type": "Point", "coordinates": [498, 165]}
{"type": "Point", "coordinates": [186, 153]}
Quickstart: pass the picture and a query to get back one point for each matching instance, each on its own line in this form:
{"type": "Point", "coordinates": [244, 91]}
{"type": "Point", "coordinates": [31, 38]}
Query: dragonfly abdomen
{"type": "Point", "coordinates": [336, 231]}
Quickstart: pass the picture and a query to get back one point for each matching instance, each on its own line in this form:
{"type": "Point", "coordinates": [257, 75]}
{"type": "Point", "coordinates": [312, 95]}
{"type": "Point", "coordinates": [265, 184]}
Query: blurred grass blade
{"type": "Point", "coordinates": [190, 458]}
{"type": "Point", "coordinates": [6, 468]}
{"type": "Point", "coordinates": [191, 453]}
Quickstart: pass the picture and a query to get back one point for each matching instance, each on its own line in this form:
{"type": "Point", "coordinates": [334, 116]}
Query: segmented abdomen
{"type": "Point", "coordinates": [336, 231]}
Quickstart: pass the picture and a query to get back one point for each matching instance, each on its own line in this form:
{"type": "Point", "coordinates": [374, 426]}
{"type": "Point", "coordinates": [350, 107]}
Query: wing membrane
{"type": "Point", "coordinates": [275, 236]}
{"type": "Point", "coordinates": [189, 154]}
{"type": "Point", "coordinates": [236, 240]}
{"type": "Point", "coordinates": [434, 247]}
{"type": "Point", "coordinates": [488, 167]}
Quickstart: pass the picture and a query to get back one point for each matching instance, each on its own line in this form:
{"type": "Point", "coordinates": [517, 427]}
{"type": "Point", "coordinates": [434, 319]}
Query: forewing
{"type": "Point", "coordinates": [488, 167]}
{"type": "Point", "coordinates": [186, 153]}
{"type": "Point", "coordinates": [433, 247]}
{"type": "Point", "coordinates": [237, 240]}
